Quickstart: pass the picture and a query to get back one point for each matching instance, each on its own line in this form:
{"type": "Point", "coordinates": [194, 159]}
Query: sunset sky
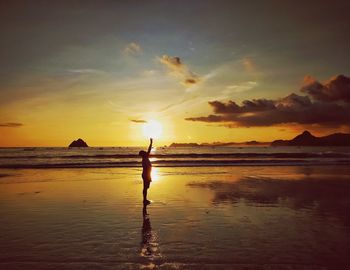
{"type": "Point", "coordinates": [98, 70]}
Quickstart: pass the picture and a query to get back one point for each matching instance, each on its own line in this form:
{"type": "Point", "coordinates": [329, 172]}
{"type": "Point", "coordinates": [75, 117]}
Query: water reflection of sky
{"type": "Point", "coordinates": [155, 174]}
{"type": "Point", "coordinates": [150, 251]}
{"type": "Point", "coordinates": [325, 196]}
{"type": "Point", "coordinates": [276, 215]}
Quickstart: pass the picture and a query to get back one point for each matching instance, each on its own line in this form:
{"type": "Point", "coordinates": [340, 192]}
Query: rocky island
{"type": "Point", "coordinates": [78, 143]}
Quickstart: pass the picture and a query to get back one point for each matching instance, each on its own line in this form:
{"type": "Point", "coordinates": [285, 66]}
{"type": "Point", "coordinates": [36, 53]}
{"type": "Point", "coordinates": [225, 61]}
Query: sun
{"type": "Point", "coordinates": [152, 129]}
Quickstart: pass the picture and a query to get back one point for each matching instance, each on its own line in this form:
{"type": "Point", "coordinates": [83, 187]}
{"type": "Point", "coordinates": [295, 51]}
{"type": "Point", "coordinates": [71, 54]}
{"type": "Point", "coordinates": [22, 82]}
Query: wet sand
{"type": "Point", "coordinates": [200, 218]}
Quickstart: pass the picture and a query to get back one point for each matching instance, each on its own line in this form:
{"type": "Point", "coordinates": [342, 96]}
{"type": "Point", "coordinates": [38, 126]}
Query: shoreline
{"type": "Point", "coordinates": [247, 164]}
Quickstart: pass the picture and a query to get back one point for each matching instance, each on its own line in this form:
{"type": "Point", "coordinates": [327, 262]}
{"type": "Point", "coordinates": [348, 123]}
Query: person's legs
{"type": "Point", "coordinates": [145, 189]}
{"type": "Point", "coordinates": [144, 193]}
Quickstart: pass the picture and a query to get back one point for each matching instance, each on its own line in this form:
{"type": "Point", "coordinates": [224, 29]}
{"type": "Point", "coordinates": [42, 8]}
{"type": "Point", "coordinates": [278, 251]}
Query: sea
{"type": "Point", "coordinates": [211, 208]}
{"type": "Point", "coordinates": [109, 157]}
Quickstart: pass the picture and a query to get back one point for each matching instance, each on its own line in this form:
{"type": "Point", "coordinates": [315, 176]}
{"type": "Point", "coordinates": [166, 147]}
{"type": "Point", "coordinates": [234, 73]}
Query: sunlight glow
{"type": "Point", "coordinates": [155, 174]}
{"type": "Point", "coordinates": [152, 129]}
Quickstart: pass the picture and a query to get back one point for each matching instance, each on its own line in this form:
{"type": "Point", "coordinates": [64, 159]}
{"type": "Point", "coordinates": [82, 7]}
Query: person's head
{"type": "Point", "coordinates": [142, 154]}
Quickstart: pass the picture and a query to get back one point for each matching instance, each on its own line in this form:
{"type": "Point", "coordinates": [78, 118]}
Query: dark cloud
{"type": "Point", "coordinates": [171, 62]}
{"type": "Point", "coordinates": [209, 118]}
{"type": "Point", "coordinates": [11, 125]}
{"type": "Point", "coordinates": [139, 121]}
{"type": "Point", "coordinates": [190, 81]}
{"type": "Point", "coordinates": [326, 105]}
{"type": "Point", "coordinates": [336, 89]}
{"type": "Point", "coordinates": [180, 70]}
{"type": "Point", "coordinates": [248, 106]}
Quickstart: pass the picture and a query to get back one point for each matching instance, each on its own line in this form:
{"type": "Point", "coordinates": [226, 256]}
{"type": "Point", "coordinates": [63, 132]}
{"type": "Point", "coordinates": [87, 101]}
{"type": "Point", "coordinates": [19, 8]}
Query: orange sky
{"type": "Point", "coordinates": [86, 72]}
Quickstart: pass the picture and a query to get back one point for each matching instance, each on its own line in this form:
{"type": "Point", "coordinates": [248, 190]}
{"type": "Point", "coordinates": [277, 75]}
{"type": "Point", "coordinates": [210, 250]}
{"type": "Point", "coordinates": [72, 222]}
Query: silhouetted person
{"type": "Point", "coordinates": [146, 171]}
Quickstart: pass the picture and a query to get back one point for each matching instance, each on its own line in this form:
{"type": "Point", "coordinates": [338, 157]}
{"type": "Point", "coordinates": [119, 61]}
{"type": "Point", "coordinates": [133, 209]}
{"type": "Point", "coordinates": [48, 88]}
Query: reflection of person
{"type": "Point", "coordinates": [149, 242]}
{"type": "Point", "coordinates": [146, 171]}
{"type": "Point", "coordinates": [146, 248]}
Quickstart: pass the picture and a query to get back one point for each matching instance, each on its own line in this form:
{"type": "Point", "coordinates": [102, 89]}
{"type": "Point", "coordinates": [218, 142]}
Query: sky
{"type": "Point", "coordinates": [207, 71]}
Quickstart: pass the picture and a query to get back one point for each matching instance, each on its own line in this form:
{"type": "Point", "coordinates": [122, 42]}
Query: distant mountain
{"type": "Point", "coordinates": [184, 145]}
{"type": "Point", "coordinates": [78, 143]}
{"type": "Point", "coordinates": [250, 143]}
{"type": "Point", "coordinates": [307, 139]}
{"type": "Point", "coordinates": [303, 139]}
{"type": "Point", "coordinates": [256, 143]}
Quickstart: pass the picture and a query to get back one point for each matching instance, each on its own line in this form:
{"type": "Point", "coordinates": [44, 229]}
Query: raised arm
{"type": "Point", "coordinates": [150, 146]}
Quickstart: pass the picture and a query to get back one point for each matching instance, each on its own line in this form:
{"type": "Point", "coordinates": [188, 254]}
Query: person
{"type": "Point", "coordinates": [146, 171]}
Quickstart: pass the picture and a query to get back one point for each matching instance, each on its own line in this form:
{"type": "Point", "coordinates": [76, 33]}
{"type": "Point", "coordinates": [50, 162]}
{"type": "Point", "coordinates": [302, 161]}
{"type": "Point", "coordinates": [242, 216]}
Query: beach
{"type": "Point", "coordinates": [218, 217]}
{"type": "Point", "coordinates": [175, 135]}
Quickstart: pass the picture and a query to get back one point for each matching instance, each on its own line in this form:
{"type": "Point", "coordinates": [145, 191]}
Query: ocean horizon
{"type": "Point", "coordinates": [109, 157]}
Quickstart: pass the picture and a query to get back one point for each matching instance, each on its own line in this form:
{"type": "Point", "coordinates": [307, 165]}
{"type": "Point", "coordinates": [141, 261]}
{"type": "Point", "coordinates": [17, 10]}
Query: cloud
{"type": "Point", "coordinates": [132, 49]}
{"type": "Point", "coordinates": [336, 89]}
{"type": "Point", "coordinates": [180, 70]}
{"type": "Point", "coordinates": [138, 121]}
{"type": "Point", "coordinates": [11, 125]}
{"type": "Point", "coordinates": [173, 63]}
{"type": "Point", "coordinates": [254, 105]}
{"type": "Point", "coordinates": [331, 109]}
{"type": "Point", "coordinates": [86, 71]}
{"type": "Point", "coordinates": [242, 87]}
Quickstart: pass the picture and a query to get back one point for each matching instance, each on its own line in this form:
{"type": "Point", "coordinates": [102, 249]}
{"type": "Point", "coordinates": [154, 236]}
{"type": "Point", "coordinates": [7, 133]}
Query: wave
{"type": "Point", "coordinates": [183, 163]}
{"type": "Point", "coordinates": [187, 155]}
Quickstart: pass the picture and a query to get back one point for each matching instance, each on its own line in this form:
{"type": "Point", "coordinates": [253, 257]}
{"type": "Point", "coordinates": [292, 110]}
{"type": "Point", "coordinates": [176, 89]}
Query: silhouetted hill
{"type": "Point", "coordinates": [78, 143]}
{"type": "Point", "coordinates": [184, 145]}
{"type": "Point", "coordinates": [307, 139]}
{"type": "Point", "coordinates": [303, 139]}
{"type": "Point", "coordinates": [250, 143]}
{"type": "Point", "coordinates": [256, 143]}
